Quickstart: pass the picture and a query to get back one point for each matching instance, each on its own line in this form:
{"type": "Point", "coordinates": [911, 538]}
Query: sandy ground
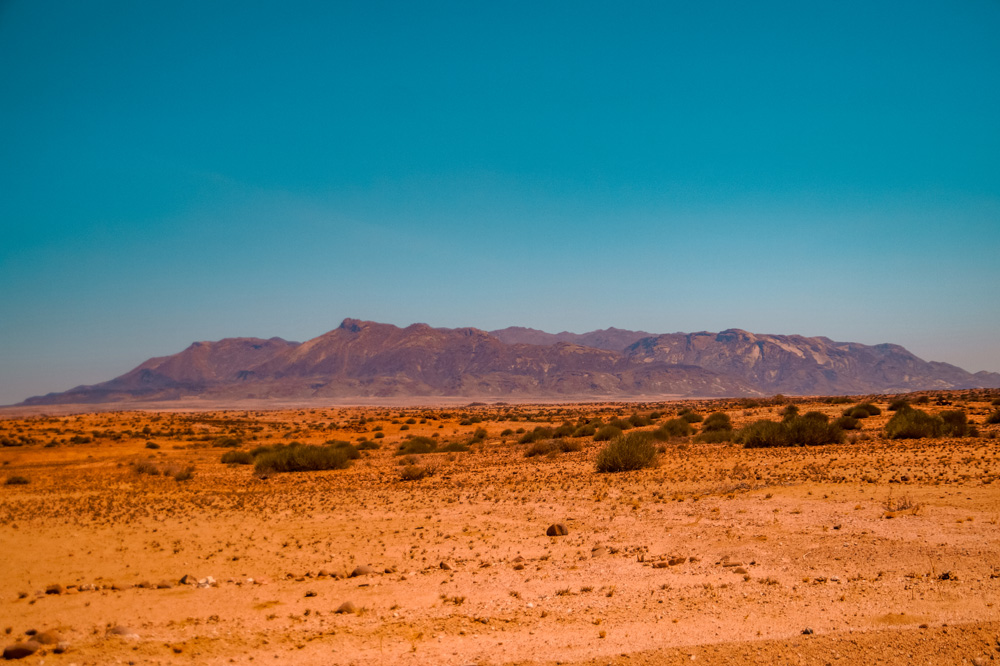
{"type": "Point", "coordinates": [719, 555]}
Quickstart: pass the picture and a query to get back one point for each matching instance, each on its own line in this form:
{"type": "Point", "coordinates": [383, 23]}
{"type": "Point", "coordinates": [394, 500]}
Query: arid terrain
{"type": "Point", "coordinates": [125, 539]}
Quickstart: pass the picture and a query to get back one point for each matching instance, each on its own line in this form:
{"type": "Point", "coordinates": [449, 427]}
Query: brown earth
{"type": "Point", "coordinates": [886, 550]}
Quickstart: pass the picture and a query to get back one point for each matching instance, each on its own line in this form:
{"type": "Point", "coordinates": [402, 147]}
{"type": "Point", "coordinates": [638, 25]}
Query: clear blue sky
{"type": "Point", "coordinates": [181, 171]}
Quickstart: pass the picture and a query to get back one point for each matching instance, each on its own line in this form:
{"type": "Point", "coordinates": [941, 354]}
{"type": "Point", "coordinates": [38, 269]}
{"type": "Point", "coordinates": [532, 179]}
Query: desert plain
{"type": "Point", "coordinates": [125, 539]}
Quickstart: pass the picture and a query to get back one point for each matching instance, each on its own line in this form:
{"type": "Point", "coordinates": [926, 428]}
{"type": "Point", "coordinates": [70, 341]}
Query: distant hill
{"type": "Point", "coordinates": [613, 339]}
{"type": "Point", "coordinates": [362, 359]}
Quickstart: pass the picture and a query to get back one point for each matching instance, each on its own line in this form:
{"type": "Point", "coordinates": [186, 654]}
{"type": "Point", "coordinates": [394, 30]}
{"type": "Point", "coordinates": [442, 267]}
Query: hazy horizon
{"type": "Point", "coordinates": [186, 172]}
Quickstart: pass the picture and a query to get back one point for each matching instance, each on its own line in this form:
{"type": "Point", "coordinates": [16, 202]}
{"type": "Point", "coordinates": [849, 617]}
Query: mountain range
{"type": "Point", "coordinates": [363, 359]}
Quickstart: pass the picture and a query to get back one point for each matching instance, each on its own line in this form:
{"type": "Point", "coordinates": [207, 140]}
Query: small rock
{"type": "Point", "coordinates": [47, 638]}
{"type": "Point", "coordinates": [556, 529]}
{"type": "Point", "coordinates": [444, 565]}
{"type": "Point", "coordinates": [310, 593]}
{"type": "Point", "coordinates": [164, 585]}
{"type": "Point", "coordinates": [346, 607]}
{"type": "Point", "coordinates": [660, 565]}
{"type": "Point", "coordinates": [361, 570]}
{"type": "Point", "coordinates": [20, 650]}
{"type": "Point", "coordinates": [598, 551]}
{"type": "Point", "coordinates": [55, 589]}
{"type": "Point", "coordinates": [807, 631]}
{"type": "Point", "coordinates": [62, 647]}
{"type": "Point", "coordinates": [739, 570]}
{"type": "Point", "coordinates": [674, 561]}
{"type": "Point", "coordinates": [518, 567]}
{"type": "Point", "coordinates": [123, 631]}
{"type": "Point", "coordinates": [188, 580]}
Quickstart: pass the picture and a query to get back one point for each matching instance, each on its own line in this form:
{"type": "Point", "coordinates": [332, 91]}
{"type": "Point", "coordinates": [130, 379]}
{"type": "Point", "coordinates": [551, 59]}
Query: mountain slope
{"type": "Point", "coordinates": [800, 365]}
{"type": "Point", "coordinates": [366, 359]}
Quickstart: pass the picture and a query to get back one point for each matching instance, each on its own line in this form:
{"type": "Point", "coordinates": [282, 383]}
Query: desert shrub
{"type": "Point", "coordinates": [956, 423]}
{"type": "Point", "coordinates": [414, 473]}
{"type": "Point", "coordinates": [789, 412]}
{"type": "Point", "coordinates": [237, 458]}
{"type": "Point", "coordinates": [717, 422]}
{"type": "Point", "coordinates": [185, 474]}
{"type": "Point", "coordinates": [456, 447]}
{"type": "Point", "coordinates": [863, 411]}
{"type": "Point", "coordinates": [565, 430]}
{"type": "Point", "coordinates": [897, 405]}
{"type": "Point", "coordinates": [226, 442]}
{"type": "Point", "coordinates": [569, 447]}
{"type": "Point", "coordinates": [674, 428]}
{"type": "Point", "coordinates": [606, 433]}
{"type": "Point", "coordinates": [586, 430]}
{"type": "Point", "coordinates": [152, 445]}
{"type": "Point", "coordinates": [763, 434]}
{"type": "Point", "coordinates": [640, 420]}
{"type": "Point", "coordinates": [539, 433]}
{"type": "Point", "coordinates": [691, 416]}
{"type": "Point", "coordinates": [913, 424]}
{"type": "Point", "coordinates": [922, 400]}
{"type": "Point", "coordinates": [996, 402]}
{"type": "Point", "coordinates": [838, 400]}
{"type": "Point", "coordinates": [418, 444]}
{"type": "Point", "coordinates": [479, 435]}
{"type": "Point", "coordinates": [621, 424]}
{"type": "Point", "coordinates": [994, 417]}
{"type": "Point", "coordinates": [542, 448]}
{"type": "Point", "coordinates": [380, 435]}
{"type": "Point", "coordinates": [17, 480]}
{"type": "Point", "coordinates": [367, 445]}
{"type": "Point", "coordinates": [304, 458]}
{"type": "Point", "coordinates": [627, 452]}
{"type": "Point", "coordinates": [715, 436]}
{"type": "Point", "coordinates": [507, 432]}
{"type": "Point", "coordinates": [146, 467]}
{"type": "Point", "coordinates": [813, 429]}
{"type": "Point", "coordinates": [847, 423]}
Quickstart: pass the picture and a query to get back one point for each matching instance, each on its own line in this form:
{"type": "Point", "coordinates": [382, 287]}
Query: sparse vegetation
{"type": "Point", "coordinates": [627, 452]}
{"type": "Point", "coordinates": [17, 480]}
{"type": "Point", "coordinates": [304, 458]}
{"type": "Point", "coordinates": [913, 424]}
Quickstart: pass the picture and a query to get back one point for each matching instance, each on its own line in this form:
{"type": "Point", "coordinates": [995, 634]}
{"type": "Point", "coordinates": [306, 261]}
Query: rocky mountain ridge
{"type": "Point", "coordinates": [362, 359]}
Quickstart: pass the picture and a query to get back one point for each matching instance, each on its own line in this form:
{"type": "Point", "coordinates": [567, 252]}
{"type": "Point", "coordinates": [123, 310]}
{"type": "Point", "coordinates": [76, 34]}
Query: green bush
{"type": "Point", "coordinates": [542, 448]}
{"type": "Point", "coordinates": [691, 416]}
{"type": "Point", "coordinates": [813, 429]}
{"type": "Point", "coordinates": [715, 436]}
{"type": "Point", "coordinates": [847, 423]}
{"type": "Point", "coordinates": [913, 424]}
{"type": "Point", "coordinates": [367, 445]}
{"type": "Point", "coordinates": [763, 434]}
{"type": "Point", "coordinates": [418, 444]}
{"type": "Point", "coordinates": [456, 447]}
{"type": "Point", "coordinates": [717, 422]}
{"type": "Point", "coordinates": [606, 433]}
{"type": "Point", "coordinates": [674, 428]}
{"type": "Point", "coordinates": [639, 420]}
{"type": "Point", "coordinates": [863, 411]}
{"type": "Point", "coordinates": [956, 424]}
{"type": "Point", "coordinates": [789, 412]}
{"type": "Point", "coordinates": [303, 458]}
{"type": "Point", "coordinates": [627, 452]}
{"type": "Point", "coordinates": [897, 405]}
{"type": "Point", "coordinates": [994, 417]}
{"type": "Point", "coordinates": [237, 458]}
{"type": "Point", "coordinates": [586, 430]}
{"type": "Point", "coordinates": [538, 434]}
{"type": "Point", "coordinates": [621, 424]}
{"type": "Point", "coordinates": [227, 442]}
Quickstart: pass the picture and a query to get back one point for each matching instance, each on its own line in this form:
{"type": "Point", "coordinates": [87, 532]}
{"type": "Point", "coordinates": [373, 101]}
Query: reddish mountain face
{"type": "Point", "coordinates": [806, 366]}
{"type": "Point", "coordinates": [366, 359]}
{"type": "Point", "coordinates": [613, 339]}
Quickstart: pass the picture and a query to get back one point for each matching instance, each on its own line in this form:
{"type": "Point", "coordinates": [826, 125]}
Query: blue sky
{"type": "Point", "coordinates": [188, 171]}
